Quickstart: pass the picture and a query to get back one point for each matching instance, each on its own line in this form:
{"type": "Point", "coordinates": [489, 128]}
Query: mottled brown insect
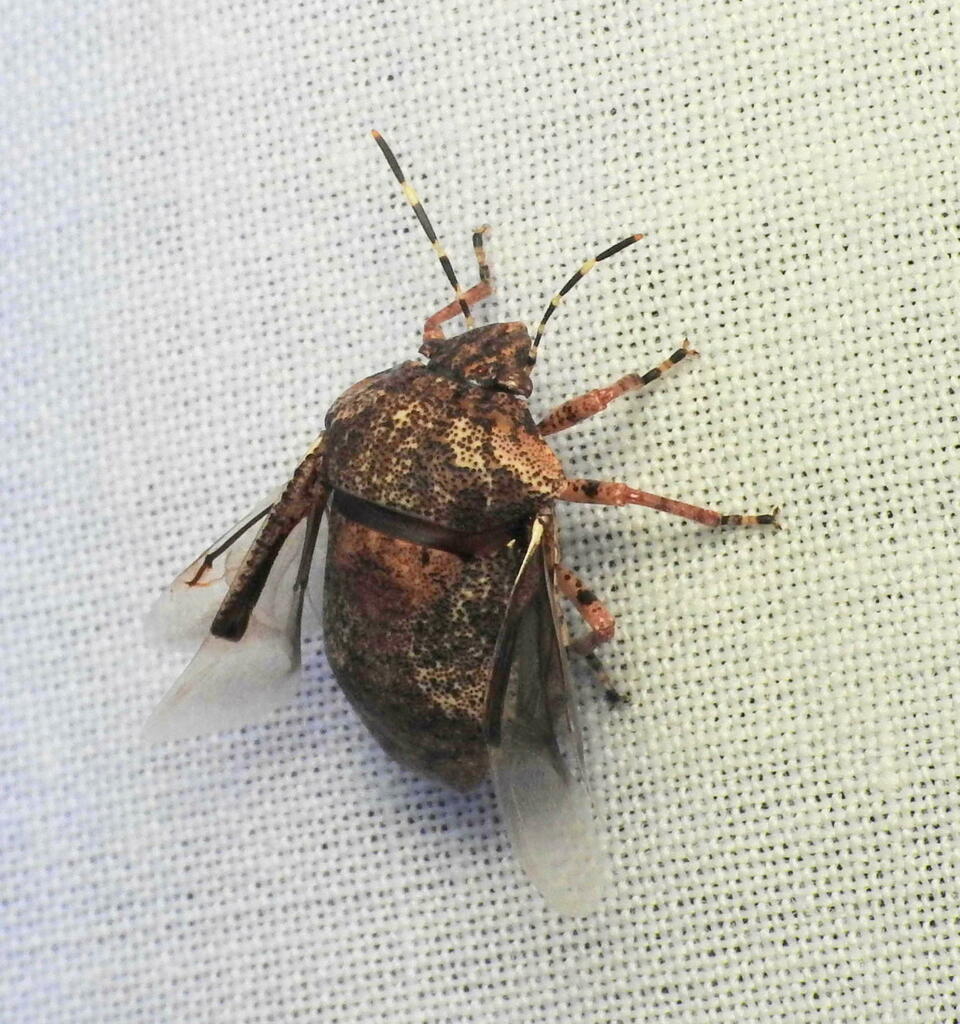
{"type": "Point", "coordinates": [442, 575]}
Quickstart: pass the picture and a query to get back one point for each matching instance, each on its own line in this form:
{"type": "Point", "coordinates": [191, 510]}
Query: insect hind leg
{"type": "Point", "coordinates": [432, 330]}
{"type": "Point", "coordinates": [602, 625]}
{"type": "Point", "coordinates": [605, 492]}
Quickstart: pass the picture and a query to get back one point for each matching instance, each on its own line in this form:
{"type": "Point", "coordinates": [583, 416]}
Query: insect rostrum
{"type": "Point", "coordinates": [443, 574]}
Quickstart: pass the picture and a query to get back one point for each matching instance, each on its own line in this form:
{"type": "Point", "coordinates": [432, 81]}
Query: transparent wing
{"type": "Point", "coordinates": [230, 683]}
{"type": "Point", "coordinates": [181, 616]}
{"type": "Point", "coordinates": [534, 744]}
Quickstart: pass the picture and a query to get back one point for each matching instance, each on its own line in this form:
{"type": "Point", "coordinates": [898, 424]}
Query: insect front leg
{"type": "Point", "coordinates": [432, 330]}
{"type": "Point", "coordinates": [576, 410]}
{"type": "Point", "coordinates": [306, 493]}
{"type": "Point", "coordinates": [602, 492]}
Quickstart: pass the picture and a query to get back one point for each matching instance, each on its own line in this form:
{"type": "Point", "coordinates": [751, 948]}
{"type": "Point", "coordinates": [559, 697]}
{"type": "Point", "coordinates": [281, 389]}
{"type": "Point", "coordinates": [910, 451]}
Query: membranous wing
{"type": "Point", "coordinates": [243, 598]}
{"type": "Point", "coordinates": [534, 743]}
{"type": "Point", "coordinates": [182, 614]}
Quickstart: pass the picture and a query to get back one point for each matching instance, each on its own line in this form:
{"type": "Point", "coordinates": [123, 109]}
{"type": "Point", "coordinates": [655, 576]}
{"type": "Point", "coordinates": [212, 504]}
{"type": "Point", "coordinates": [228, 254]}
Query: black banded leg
{"type": "Point", "coordinates": [606, 492]}
{"type": "Point", "coordinates": [602, 678]}
{"type": "Point", "coordinates": [602, 626]}
{"type": "Point", "coordinates": [576, 410]}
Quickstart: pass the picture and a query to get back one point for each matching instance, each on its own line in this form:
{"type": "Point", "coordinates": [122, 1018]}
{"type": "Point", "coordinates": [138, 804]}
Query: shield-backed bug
{"type": "Point", "coordinates": [443, 573]}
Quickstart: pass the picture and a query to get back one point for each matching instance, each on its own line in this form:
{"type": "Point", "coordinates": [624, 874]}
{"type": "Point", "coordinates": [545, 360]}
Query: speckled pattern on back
{"type": "Point", "coordinates": [409, 633]}
{"type": "Point", "coordinates": [203, 247]}
{"type": "Point", "coordinates": [450, 452]}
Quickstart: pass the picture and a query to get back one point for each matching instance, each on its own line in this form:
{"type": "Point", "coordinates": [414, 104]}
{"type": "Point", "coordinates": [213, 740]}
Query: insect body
{"type": "Point", "coordinates": [440, 611]}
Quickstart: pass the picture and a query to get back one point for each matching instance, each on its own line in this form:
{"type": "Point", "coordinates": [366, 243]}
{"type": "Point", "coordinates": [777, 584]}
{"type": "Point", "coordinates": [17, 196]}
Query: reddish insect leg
{"type": "Point", "coordinates": [600, 492]}
{"type": "Point", "coordinates": [602, 625]}
{"type": "Point", "coordinates": [576, 410]}
{"type": "Point", "coordinates": [482, 289]}
{"type": "Point", "coordinates": [600, 621]}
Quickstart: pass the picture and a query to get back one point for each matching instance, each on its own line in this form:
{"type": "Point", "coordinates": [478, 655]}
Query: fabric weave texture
{"type": "Point", "coordinates": [202, 247]}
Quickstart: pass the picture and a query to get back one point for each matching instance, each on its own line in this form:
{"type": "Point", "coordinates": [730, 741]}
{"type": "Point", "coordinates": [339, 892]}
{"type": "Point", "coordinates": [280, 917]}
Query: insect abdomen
{"type": "Point", "coordinates": [410, 632]}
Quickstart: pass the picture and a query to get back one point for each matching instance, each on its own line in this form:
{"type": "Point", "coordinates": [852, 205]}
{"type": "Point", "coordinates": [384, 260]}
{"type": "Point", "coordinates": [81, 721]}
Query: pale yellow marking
{"type": "Point", "coordinates": [528, 458]}
{"type": "Point", "coordinates": [556, 300]}
{"type": "Point", "coordinates": [587, 267]}
{"type": "Point", "coordinates": [411, 194]}
{"type": "Point", "coordinates": [471, 322]}
{"type": "Point", "coordinates": [439, 250]}
{"type": "Point", "coordinates": [401, 417]}
{"type": "Point", "coordinates": [467, 454]}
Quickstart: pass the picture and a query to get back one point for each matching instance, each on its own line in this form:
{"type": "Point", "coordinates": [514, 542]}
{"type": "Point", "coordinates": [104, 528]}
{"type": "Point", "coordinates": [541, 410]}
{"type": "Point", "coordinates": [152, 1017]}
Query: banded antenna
{"type": "Point", "coordinates": [414, 200]}
{"type": "Point", "coordinates": [582, 272]}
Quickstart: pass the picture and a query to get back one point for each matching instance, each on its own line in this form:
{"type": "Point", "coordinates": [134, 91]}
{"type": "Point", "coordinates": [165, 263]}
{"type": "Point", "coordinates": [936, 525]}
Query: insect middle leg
{"type": "Point", "coordinates": [601, 492]}
{"type": "Point", "coordinates": [576, 410]}
{"type": "Point", "coordinates": [481, 290]}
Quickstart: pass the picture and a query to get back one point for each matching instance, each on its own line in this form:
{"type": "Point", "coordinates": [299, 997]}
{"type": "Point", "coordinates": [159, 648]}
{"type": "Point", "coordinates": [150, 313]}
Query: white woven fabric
{"type": "Point", "coordinates": [202, 247]}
